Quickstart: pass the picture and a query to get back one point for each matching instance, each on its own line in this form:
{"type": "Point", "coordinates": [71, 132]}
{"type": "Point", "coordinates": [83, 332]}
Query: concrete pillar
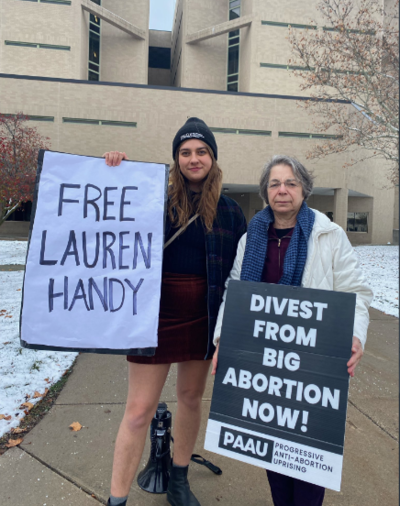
{"type": "Point", "coordinates": [340, 206]}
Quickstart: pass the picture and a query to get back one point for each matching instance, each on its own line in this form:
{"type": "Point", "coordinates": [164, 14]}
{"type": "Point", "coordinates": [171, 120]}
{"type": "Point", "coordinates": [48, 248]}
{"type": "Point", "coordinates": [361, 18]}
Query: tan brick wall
{"type": "Point", "coordinates": [271, 46]}
{"type": "Point", "coordinates": [160, 38]}
{"type": "Point", "coordinates": [323, 203]}
{"type": "Point", "coordinates": [159, 77]}
{"type": "Point", "coordinates": [177, 44]}
{"type": "Point", "coordinates": [40, 23]}
{"type": "Point", "coordinates": [247, 7]}
{"type": "Point", "coordinates": [287, 11]}
{"type": "Point", "coordinates": [205, 63]}
{"type": "Point", "coordinates": [396, 209]}
{"type": "Point", "coordinates": [124, 58]}
{"type": "Point", "coordinates": [160, 113]}
{"type": "Point", "coordinates": [15, 230]}
{"type": "Point", "coordinates": [355, 204]}
{"type": "Point", "coordinates": [84, 49]}
{"type": "Point", "coordinates": [246, 52]}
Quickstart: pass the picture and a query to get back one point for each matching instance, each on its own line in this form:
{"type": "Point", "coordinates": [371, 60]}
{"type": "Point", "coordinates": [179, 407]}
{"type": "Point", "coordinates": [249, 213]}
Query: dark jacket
{"type": "Point", "coordinates": [221, 243]}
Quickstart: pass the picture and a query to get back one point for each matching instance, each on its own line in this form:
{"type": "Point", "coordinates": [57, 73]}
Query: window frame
{"type": "Point", "coordinates": [307, 135]}
{"type": "Point", "coordinates": [354, 213]}
{"type": "Point", "coordinates": [99, 122]}
{"type": "Point", "coordinates": [94, 31]}
{"type": "Point", "coordinates": [240, 131]}
{"type": "Point", "coordinates": [280, 24]}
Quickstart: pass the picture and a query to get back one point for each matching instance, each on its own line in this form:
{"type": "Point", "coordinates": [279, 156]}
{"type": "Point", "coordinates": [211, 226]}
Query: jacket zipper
{"type": "Point", "coordinates": [279, 246]}
{"type": "Point", "coordinates": [279, 254]}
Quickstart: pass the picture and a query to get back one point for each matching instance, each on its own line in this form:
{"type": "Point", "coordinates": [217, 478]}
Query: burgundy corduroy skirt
{"type": "Point", "coordinates": [183, 323]}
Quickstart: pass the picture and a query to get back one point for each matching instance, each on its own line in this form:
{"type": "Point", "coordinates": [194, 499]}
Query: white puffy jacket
{"type": "Point", "coordinates": [331, 264]}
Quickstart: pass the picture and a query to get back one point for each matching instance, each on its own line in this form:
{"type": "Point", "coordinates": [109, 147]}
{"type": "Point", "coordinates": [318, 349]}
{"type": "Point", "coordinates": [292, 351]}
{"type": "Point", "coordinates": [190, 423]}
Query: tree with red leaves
{"type": "Point", "coordinates": [19, 147]}
{"type": "Point", "coordinates": [353, 56]}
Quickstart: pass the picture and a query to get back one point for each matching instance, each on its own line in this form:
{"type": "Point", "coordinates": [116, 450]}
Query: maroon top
{"type": "Point", "coordinates": [278, 242]}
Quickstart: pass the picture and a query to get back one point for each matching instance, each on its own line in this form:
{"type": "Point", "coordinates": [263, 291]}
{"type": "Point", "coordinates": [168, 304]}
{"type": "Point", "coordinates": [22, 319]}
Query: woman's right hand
{"type": "Point", "coordinates": [114, 158]}
{"type": "Point", "coordinates": [215, 361]}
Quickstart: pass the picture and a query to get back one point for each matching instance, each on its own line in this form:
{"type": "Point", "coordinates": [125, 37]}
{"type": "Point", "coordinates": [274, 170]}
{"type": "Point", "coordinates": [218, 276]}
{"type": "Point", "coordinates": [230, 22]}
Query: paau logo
{"type": "Point", "coordinates": [246, 444]}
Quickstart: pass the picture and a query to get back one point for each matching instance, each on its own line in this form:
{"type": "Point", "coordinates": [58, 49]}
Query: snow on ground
{"type": "Point", "coordinates": [13, 252]}
{"type": "Point", "coordinates": [23, 371]}
{"type": "Point", "coordinates": [380, 265]}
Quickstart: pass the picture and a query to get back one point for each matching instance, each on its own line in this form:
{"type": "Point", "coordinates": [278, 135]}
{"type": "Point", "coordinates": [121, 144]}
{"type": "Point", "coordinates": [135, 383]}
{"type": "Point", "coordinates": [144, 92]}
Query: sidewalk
{"type": "Point", "coordinates": [55, 466]}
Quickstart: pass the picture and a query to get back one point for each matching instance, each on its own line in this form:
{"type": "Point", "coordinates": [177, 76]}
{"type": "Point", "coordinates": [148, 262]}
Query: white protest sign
{"type": "Point", "coordinates": [93, 271]}
{"type": "Point", "coordinates": [281, 388]}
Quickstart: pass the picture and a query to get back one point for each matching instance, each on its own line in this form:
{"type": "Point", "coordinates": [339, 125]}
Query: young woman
{"type": "Point", "coordinates": [195, 267]}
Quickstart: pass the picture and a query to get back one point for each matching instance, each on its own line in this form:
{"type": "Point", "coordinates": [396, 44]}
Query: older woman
{"type": "Point", "coordinates": [288, 243]}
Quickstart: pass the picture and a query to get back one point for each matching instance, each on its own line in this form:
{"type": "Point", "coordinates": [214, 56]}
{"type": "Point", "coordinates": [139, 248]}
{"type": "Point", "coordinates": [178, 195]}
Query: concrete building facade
{"type": "Point", "coordinates": [93, 77]}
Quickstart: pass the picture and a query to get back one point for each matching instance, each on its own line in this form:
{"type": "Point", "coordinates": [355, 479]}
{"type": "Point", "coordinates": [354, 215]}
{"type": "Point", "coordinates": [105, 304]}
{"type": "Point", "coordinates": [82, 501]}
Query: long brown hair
{"type": "Point", "coordinates": [181, 206]}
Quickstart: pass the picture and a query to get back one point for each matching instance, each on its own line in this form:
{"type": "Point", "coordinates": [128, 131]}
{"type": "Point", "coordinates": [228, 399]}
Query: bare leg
{"type": "Point", "coordinates": [145, 385]}
{"type": "Point", "coordinates": [192, 377]}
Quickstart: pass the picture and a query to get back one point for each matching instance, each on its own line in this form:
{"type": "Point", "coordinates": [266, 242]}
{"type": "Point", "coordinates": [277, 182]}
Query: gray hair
{"type": "Point", "coordinates": [301, 174]}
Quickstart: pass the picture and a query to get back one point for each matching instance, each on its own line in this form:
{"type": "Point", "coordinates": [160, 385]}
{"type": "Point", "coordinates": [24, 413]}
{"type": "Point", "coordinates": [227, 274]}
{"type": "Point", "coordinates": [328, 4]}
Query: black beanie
{"type": "Point", "coordinates": [195, 128]}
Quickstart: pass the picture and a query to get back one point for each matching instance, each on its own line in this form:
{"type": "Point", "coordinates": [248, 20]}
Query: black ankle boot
{"type": "Point", "coordinates": [122, 504]}
{"type": "Point", "coordinates": [179, 493]}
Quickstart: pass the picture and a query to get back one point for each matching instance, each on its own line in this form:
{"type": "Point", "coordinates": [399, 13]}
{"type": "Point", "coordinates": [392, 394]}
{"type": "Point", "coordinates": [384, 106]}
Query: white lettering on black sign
{"type": "Point", "coordinates": [246, 444]}
{"type": "Point", "coordinates": [282, 373]}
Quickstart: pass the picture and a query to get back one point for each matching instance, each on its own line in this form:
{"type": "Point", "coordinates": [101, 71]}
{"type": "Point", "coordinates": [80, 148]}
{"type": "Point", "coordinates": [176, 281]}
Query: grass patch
{"type": "Point", "coordinates": [38, 411]}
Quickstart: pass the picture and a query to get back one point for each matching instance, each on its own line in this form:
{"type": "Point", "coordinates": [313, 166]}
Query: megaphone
{"type": "Point", "coordinates": [154, 477]}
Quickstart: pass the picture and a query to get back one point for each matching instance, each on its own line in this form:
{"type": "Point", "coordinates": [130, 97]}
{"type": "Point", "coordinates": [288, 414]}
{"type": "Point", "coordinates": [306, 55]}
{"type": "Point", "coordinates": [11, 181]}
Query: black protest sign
{"type": "Point", "coordinates": [93, 271]}
{"type": "Point", "coordinates": [281, 388]}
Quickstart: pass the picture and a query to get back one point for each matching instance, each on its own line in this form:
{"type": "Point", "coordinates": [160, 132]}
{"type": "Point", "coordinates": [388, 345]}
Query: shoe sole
{"type": "Point", "coordinates": [170, 501]}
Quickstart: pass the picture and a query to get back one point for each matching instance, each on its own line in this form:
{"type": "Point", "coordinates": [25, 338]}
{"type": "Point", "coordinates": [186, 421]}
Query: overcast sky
{"type": "Point", "coordinates": [161, 14]}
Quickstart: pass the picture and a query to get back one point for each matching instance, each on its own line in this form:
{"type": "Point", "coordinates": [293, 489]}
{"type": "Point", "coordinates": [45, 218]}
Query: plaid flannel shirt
{"type": "Point", "coordinates": [221, 244]}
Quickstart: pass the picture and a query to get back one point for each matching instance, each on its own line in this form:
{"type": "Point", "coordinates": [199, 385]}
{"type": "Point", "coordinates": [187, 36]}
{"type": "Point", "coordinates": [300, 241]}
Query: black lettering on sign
{"type": "Point", "coordinates": [246, 444]}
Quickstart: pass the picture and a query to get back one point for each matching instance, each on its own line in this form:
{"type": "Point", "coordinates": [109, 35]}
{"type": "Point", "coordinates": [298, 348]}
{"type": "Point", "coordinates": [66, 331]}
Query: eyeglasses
{"type": "Point", "coordinates": [289, 184]}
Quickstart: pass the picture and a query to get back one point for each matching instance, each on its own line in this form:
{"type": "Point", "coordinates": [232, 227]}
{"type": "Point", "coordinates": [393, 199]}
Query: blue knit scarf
{"type": "Point", "coordinates": [257, 242]}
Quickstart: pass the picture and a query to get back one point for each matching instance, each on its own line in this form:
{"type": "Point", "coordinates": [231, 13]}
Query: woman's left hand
{"type": "Point", "coordinates": [356, 354]}
{"type": "Point", "coordinates": [114, 158]}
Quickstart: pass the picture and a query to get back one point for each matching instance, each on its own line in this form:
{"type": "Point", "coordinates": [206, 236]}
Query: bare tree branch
{"type": "Point", "coordinates": [354, 58]}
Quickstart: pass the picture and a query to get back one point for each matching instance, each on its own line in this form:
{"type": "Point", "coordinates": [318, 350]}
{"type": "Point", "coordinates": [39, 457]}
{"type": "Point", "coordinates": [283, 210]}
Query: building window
{"type": "Point", "coordinates": [304, 135]}
{"type": "Point", "coordinates": [34, 44]}
{"type": "Point", "coordinates": [286, 25]}
{"type": "Point", "coordinates": [362, 32]}
{"type": "Point", "coordinates": [232, 82]}
{"type": "Point", "coordinates": [104, 122]}
{"type": "Point", "coordinates": [60, 2]}
{"type": "Point", "coordinates": [94, 46]}
{"type": "Point", "coordinates": [31, 117]}
{"type": "Point", "coordinates": [159, 57]}
{"type": "Point", "coordinates": [284, 67]}
{"type": "Point", "coordinates": [357, 222]}
{"type": "Point", "coordinates": [217, 130]}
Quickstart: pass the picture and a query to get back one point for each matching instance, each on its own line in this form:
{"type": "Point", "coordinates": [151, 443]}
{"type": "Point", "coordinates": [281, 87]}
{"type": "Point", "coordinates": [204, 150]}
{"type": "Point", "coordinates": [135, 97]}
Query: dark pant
{"type": "Point", "coordinates": [288, 491]}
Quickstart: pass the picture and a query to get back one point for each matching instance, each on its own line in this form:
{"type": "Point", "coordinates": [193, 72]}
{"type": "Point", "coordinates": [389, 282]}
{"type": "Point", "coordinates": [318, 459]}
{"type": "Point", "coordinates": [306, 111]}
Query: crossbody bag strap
{"type": "Point", "coordinates": [182, 229]}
